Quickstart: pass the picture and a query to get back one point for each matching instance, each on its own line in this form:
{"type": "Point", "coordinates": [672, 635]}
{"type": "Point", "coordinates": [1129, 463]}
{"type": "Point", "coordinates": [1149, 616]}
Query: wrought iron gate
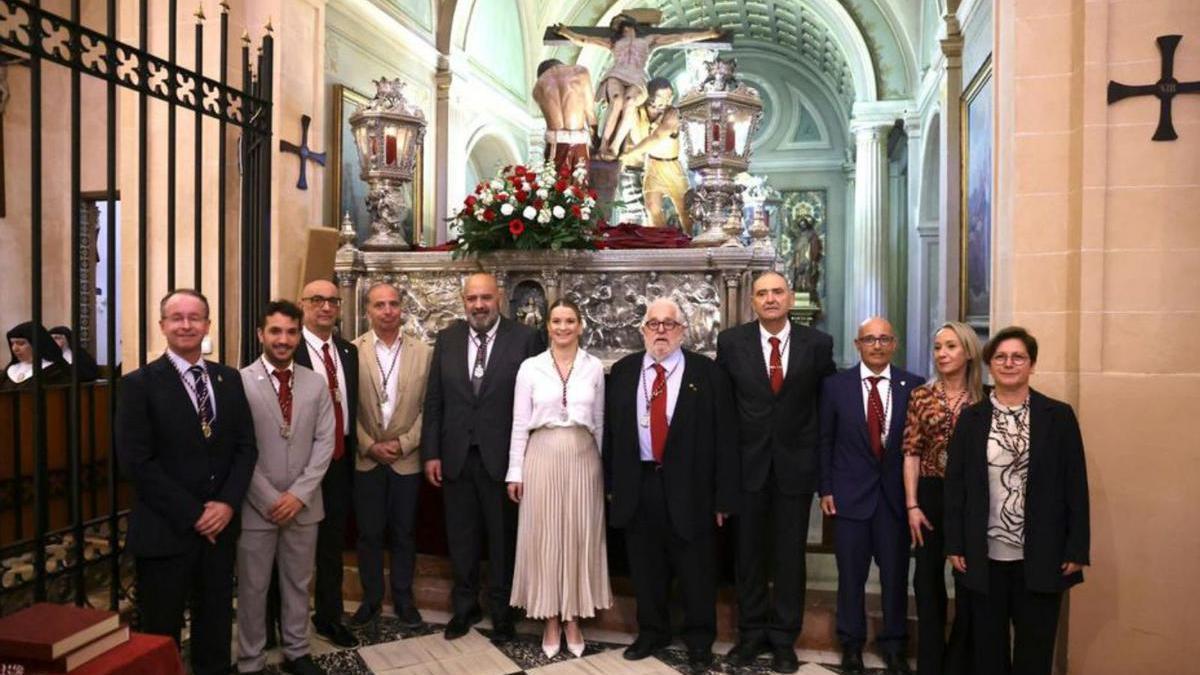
{"type": "Point", "coordinates": [73, 561]}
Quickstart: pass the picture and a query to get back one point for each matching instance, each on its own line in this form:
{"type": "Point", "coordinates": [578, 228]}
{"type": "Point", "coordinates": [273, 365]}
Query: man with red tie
{"type": "Point", "coordinates": [776, 368]}
{"type": "Point", "coordinates": [671, 470]}
{"type": "Point", "coordinates": [336, 360]}
{"type": "Point", "coordinates": [862, 413]}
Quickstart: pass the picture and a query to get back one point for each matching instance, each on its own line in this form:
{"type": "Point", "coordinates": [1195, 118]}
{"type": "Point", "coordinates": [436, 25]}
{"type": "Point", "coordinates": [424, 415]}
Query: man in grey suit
{"type": "Point", "coordinates": [294, 427]}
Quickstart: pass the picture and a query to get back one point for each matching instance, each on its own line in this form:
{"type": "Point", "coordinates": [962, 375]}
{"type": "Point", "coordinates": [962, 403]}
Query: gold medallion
{"type": "Point", "coordinates": [206, 429]}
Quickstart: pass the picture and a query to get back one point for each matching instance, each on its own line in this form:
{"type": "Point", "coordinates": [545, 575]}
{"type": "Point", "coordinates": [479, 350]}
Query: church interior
{"type": "Point", "coordinates": [921, 160]}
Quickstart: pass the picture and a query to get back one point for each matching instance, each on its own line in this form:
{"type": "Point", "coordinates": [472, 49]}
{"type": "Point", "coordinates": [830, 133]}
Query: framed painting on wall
{"type": "Point", "coordinates": [349, 190]}
{"type": "Point", "coordinates": [975, 278]}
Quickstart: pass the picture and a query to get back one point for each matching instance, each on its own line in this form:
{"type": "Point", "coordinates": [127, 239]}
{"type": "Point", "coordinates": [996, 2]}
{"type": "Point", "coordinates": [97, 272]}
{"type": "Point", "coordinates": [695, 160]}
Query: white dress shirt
{"type": "Point", "coordinates": [21, 371]}
{"type": "Point", "coordinates": [473, 346]}
{"type": "Point", "coordinates": [269, 370]}
{"type": "Point", "coordinates": [314, 346]}
{"type": "Point", "coordinates": [385, 356]}
{"type": "Point", "coordinates": [537, 402]}
{"type": "Point", "coordinates": [885, 394]}
{"type": "Point", "coordinates": [784, 342]}
{"type": "Point", "coordinates": [674, 363]}
{"type": "Point", "coordinates": [181, 365]}
{"type": "Point", "coordinates": [68, 355]}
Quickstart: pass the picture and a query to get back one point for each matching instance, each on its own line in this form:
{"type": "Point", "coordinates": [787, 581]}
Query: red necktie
{"type": "Point", "coordinates": [776, 365]}
{"type": "Point", "coordinates": [658, 413]}
{"type": "Point", "coordinates": [339, 425]}
{"type": "Point", "coordinates": [875, 417]}
{"type": "Point", "coordinates": [285, 394]}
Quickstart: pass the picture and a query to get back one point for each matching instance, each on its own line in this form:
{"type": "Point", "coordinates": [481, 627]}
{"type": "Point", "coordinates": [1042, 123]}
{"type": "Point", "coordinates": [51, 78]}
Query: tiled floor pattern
{"type": "Point", "coordinates": [387, 649]}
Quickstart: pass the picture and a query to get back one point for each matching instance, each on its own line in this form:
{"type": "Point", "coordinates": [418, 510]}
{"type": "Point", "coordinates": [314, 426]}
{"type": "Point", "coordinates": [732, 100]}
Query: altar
{"type": "Point", "coordinates": [611, 287]}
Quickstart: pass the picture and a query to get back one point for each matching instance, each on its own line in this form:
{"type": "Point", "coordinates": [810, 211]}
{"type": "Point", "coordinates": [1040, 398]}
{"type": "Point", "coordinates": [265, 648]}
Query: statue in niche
{"type": "Point", "coordinates": [530, 313]}
{"type": "Point", "coordinates": [623, 85]}
{"type": "Point", "coordinates": [807, 251]}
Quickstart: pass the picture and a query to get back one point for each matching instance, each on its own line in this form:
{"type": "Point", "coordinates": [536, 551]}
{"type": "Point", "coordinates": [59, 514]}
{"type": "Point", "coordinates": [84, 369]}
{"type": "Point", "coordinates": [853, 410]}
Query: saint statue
{"type": "Point", "coordinates": [806, 255]}
{"type": "Point", "coordinates": [656, 131]}
{"type": "Point", "coordinates": [623, 86]}
{"type": "Point", "coordinates": [564, 95]}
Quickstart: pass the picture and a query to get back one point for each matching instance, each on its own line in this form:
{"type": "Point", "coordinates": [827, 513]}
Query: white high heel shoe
{"type": "Point", "coordinates": [576, 648]}
{"type": "Point", "coordinates": [551, 651]}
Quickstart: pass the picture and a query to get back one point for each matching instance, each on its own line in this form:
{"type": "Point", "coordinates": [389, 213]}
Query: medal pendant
{"type": "Point", "coordinates": [563, 415]}
{"type": "Point", "coordinates": [206, 429]}
{"type": "Point", "coordinates": [478, 372]}
{"type": "Point", "coordinates": [645, 420]}
{"type": "Point", "coordinates": [337, 395]}
{"type": "Point", "coordinates": [383, 399]}
{"type": "Point", "coordinates": [285, 430]}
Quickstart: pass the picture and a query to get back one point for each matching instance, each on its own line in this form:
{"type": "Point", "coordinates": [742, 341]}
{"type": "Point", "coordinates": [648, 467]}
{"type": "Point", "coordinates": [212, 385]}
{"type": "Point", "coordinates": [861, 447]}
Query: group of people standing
{"type": "Point", "coordinates": [537, 453]}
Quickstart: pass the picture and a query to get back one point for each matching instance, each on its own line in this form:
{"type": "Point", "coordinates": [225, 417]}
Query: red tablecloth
{"type": "Point", "coordinates": [142, 655]}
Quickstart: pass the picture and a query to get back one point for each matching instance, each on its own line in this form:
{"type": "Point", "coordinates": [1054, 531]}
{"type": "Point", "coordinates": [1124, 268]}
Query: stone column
{"type": "Point", "coordinates": [441, 119]}
{"type": "Point", "coordinates": [950, 192]}
{"type": "Point", "coordinates": [868, 253]}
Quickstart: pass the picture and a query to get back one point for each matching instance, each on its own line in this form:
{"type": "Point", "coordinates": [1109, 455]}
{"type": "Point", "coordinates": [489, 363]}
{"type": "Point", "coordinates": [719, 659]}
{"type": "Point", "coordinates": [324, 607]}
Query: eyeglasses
{"type": "Point", "coordinates": [318, 300]}
{"type": "Point", "coordinates": [1013, 359]}
{"type": "Point", "coordinates": [654, 325]}
{"type": "Point", "coordinates": [873, 340]}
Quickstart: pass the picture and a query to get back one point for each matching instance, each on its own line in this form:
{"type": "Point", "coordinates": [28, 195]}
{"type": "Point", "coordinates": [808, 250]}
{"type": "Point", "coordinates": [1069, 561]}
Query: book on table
{"type": "Point", "coordinates": [46, 631]}
{"type": "Point", "coordinates": [73, 659]}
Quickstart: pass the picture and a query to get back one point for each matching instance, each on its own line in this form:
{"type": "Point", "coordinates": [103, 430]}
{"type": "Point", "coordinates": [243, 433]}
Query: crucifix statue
{"type": "Point", "coordinates": [1165, 89]}
{"type": "Point", "coordinates": [631, 37]}
{"type": "Point", "coordinates": [303, 151]}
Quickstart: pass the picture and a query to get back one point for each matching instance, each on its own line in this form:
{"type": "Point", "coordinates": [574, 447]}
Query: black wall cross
{"type": "Point", "coordinates": [303, 151]}
{"type": "Point", "coordinates": [1165, 89]}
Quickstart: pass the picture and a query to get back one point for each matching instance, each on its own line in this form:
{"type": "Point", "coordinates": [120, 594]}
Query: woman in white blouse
{"type": "Point", "coordinates": [554, 473]}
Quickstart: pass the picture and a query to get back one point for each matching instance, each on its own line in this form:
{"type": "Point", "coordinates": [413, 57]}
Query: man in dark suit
{"type": "Point", "coordinates": [336, 360]}
{"type": "Point", "coordinates": [185, 438]}
{"type": "Point", "coordinates": [671, 467]}
{"type": "Point", "coordinates": [464, 447]}
{"type": "Point", "coordinates": [862, 412]}
{"type": "Point", "coordinates": [776, 368]}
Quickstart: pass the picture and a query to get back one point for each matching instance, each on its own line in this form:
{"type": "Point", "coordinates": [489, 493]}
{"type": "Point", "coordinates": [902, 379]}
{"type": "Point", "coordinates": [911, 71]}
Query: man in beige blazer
{"type": "Point", "coordinates": [294, 428]}
{"type": "Point", "coordinates": [392, 370]}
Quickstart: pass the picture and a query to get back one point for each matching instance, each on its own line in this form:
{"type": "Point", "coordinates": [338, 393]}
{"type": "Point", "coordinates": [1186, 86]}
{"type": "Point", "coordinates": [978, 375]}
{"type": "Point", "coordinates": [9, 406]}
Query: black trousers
{"type": "Point", "coordinates": [478, 507]}
{"type": "Point", "coordinates": [884, 538]}
{"type": "Point", "coordinates": [331, 541]}
{"type": "Point", "coordinates": [202, 582]}
{"type": "Point", "coordinates": [385, 504]}
{"type": "Point", "coordinates": [656, 554]}
{"type": "Point", "coordinates": [1014, 627]}
{"type": "Point", "coordinates": [936, 655]}
{"type": "Point", "coordinates": [772, 529]}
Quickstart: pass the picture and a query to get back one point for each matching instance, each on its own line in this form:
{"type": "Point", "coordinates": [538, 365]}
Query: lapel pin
{"type": "Point", "coordinates": [220, 379]}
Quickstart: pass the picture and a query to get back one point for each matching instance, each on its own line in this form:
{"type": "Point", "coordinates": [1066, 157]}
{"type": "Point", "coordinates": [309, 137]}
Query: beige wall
{"type": "Point", "coordinates": [1098, 249]}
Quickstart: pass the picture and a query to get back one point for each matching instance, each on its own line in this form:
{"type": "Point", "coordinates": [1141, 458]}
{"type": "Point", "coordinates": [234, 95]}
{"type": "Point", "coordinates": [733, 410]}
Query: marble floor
{"type": "Point", "coordinates": [390, 650]}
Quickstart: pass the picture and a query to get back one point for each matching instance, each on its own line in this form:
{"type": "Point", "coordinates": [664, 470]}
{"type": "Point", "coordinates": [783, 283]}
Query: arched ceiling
{"type": "Point", "coordinates": [767, 24]}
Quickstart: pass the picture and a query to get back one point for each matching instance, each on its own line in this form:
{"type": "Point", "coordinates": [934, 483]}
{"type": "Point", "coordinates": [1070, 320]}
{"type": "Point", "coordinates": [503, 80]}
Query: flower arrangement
{"type": "Point", "coordinates": [527, 209]}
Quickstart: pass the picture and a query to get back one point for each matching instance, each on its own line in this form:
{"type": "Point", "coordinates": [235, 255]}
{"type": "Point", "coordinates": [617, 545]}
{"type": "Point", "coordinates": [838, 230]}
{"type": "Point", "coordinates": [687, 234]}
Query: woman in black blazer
{"type": "Point", "coordinates": [1017, 527]}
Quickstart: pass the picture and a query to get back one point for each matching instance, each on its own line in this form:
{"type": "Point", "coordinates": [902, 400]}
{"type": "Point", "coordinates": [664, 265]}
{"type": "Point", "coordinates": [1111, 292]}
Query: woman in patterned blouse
{"type": "Point", "coordinates": [932, 414]}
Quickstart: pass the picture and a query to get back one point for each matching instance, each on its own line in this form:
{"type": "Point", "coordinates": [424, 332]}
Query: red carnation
{"type": "Point", "coordinates": [538, 204]}
{"type": "Point", "coordinates": [577, 210]}
{"type": "Point", "coordinates": [533, 187]}
{"type": "Point", "coordinates": [479, 188]}
{"type": "Point", "coordinates": [521, 195]}
{"type": "Point", "coordinates": [592, 194]}
{"type": "Point", "coordinates": [520, 170]}
{"type": "Point", "coordinates": [489, 215]}
{"type": "Point", "coordinates": [502, 197]}
{"type": "Point", "coordinates": [561, 186]}
{"type": "Point", "coordinates": [578, 192]}
{"type": "Point", "coordinates": [516, 227]}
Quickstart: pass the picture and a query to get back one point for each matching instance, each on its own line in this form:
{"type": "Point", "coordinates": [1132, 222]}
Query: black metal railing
{"type": "Point", "coordinates": [74, 555]}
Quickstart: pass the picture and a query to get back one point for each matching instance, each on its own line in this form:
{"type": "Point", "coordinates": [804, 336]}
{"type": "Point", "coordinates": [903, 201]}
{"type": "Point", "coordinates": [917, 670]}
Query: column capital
{"type": "Point", "coordinates": [874, 115]}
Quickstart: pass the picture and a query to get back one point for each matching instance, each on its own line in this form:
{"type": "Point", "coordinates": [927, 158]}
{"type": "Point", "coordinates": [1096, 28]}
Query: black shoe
{"type": "Point", "coordinates": [852, 663]}
{"type": "Point", "coordinates": [699, 659]}
{"type": "Point", "coordinates": [366, 614]}
{"type": "Point", "coordinates": [503, 631]}
{"type": "Point", "coordinates": [896, 664]}
{"type": "Point", "coordinates": [459, 625]}
{"type": "Point", "coordinates": [643, 647]}
{"type": "Point", "coordinates": [335, 633]}
{"type": "Point", "coordinates": [408, 617]}
{"type": "Point", "coordinates": [302, 666]}
{"type": "Point", "coordinates": [745, 653]}
{"type": "Point", "coordinates": [784, 660]}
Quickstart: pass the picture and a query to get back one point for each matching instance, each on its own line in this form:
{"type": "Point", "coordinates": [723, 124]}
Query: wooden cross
{"type": "Point", "coordinates": [303, 151]}
{"type": "Point", "coordinates": [648, 18]}
{"type": "Point", "coordinates": [1165, 89]}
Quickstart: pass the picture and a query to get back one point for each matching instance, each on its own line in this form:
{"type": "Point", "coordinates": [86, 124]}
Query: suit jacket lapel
{"type": "Point", "coordinates": [854, 395]}
{"type": "Point", "coordinates": [498, 344]}
{"type": "Point", "coordinates": [900, 389]}
{"type": "Point", "coordinates": [754, 355]}
{"type": "Point", "coordinates": [266, 393]}
{"type": "Point", "coordinates": [302, 356]}
{"type": "Point", "coordinates": [178, 391]}
{"type": "Point", "coordinates": [372, 365]}
{"type": "Point", "coordinates": [404, 387]}
{"type": "Point", "coordinates": [686, 403]}
{"type": "Point", "coordinates": [1039, 429]}
{"type": "Point", "coordinates": [796, 345]}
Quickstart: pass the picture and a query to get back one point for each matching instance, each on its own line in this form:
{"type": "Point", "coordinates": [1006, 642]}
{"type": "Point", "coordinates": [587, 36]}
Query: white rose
{"type": "Point", "coordinates": [559, 212]}
{"type": "Point", "coordinates": [589, 202]}
{"type": "Point", "coordinates": [497, 184]}
{"type": "Point", "coordinates": [543, 193]}
{"type": "Point", "coordinates": [506, 209]}
{"type": "Point", "coordinates": [544, 216]}
{"type": "Point", "coordinates": [529, 213]}
{"type": "Point", "coordinates": [585, 213]}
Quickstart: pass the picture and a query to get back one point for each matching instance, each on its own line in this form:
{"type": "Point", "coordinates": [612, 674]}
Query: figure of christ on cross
{"type": "Point", "coordinates": [564, 94]}
{"type": "Point", "coordinates": [623, 86]}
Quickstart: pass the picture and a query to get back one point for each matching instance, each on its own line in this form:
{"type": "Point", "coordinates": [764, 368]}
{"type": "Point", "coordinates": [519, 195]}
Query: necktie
{"type": "Point", "coordinates": [658, 413]}
{"type": "Point", "coordinates": [339, 424]}
{"type": "Point", "coordinates": [203, 405]}
{"type": "Point", "coordinates": [480, 363]}
{"type": "Point", "coordinates": [285, 394]}
{"type": "Point", "coordinates": [776, 367]}
{"type": "Point", "coordinates": [875, 417]}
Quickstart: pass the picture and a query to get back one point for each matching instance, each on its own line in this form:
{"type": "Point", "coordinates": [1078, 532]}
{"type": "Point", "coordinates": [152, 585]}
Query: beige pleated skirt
{"type": "Point", "coordinates": [561, 566]}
